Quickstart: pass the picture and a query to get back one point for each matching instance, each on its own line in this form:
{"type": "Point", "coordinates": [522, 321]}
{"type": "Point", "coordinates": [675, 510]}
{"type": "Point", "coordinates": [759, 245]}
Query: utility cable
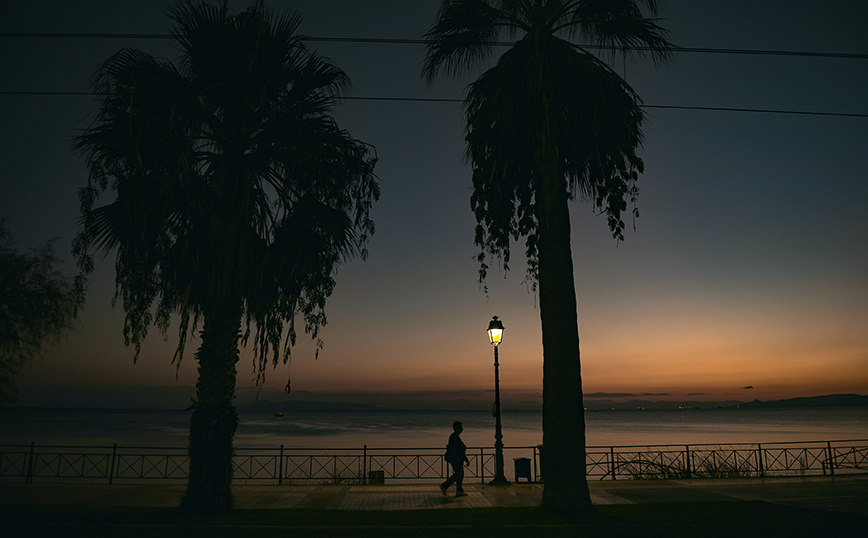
{"type": "Point", "coordinates": [397, 41]}
{"type": "Point", "coordinates": [453, 100]}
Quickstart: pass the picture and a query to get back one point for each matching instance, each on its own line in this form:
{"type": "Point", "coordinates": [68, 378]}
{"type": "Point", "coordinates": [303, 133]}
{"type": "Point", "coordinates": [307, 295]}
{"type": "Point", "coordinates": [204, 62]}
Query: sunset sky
{"type": "Point", "coordinates": [748, 266]}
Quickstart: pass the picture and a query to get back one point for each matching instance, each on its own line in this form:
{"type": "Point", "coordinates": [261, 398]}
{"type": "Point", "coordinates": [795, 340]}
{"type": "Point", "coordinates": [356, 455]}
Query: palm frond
{"type": "Point", "coordinates": [463, 36]}
{"type": "Point", "coordinates": [546, 90]}
{"type": "Point", "coordinates": [593, 115]}
{"type": "Point", "coordinates": [619, 24]}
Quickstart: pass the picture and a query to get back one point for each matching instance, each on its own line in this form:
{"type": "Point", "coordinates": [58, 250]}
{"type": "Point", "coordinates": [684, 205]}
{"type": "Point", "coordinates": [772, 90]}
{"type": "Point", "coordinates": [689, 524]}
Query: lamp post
{"type": "Point", "coordinates": [495, 335]}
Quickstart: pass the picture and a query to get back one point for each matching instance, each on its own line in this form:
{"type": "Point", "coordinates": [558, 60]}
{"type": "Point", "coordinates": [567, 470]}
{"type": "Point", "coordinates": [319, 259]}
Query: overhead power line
{"type": "Point", "coordinates": [760, 110]}
{"type": "Point", "coordinates": [454, 100]}
{"type": "Point", "coordinates": [703, 50]}
{"type": "Point", "coordinates": [395, 41]}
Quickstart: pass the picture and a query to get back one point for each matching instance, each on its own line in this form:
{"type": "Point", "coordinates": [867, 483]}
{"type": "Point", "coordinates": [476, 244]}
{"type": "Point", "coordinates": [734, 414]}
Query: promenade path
{"type": "Point", "coordinates": [843, 493]}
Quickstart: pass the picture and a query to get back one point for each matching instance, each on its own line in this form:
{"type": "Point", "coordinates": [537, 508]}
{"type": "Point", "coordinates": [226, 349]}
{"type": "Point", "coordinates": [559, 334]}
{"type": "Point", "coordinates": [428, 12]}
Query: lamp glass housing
{"type": "Point", "coordinates": [495, 331]}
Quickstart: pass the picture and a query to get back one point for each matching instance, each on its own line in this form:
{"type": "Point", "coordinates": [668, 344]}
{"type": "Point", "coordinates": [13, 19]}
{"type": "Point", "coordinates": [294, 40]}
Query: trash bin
{"type": "Point", "coordinates": [376, 477]}
{"type": "Point", "coordinates": [522, 469]}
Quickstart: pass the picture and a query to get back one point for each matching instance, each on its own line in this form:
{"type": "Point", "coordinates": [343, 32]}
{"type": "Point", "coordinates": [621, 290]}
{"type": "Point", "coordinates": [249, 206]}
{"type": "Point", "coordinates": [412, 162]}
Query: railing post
{"type": "Point", "coordinates": [482, 465]}
{"type": "Point", "coordinates": [365, 465]}
{"type": "Point", "coordinates": [612, 462]}
{"type": "Point", "coordinates": [831, 458]}
{"type": "Point", "coordinates": [111, 473]}
{"type": "Point", "coordinates": [29, 470]}
{"type": "Point", "coordinates": [760, 465]}
{"type": "Point", "coordinates": [535, 478]}
{"type": "Point", "coordinates": [442, 466]}
{"type": "Point", "coordinates": [687, 461]}
{"type": "Point", "coordinates": [280, 468]}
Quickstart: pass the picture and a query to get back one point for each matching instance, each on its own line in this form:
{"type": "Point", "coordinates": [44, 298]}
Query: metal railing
{"type": "Point", "coordinates": [373, 465]}
{"type": "Point", "coordinates": [728, 461]}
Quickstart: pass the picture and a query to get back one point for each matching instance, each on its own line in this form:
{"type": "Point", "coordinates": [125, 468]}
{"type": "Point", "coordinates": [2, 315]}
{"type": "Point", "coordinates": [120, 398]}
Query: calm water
{"type": "Point", "coordinates": [401, 429]}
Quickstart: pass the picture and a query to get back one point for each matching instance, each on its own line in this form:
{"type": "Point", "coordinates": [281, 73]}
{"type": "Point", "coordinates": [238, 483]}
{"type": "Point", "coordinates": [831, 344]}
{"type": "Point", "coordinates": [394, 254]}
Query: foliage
{"type": "Point", "coordinates": [724, 465]}
{"type": "Point", "coordinates": [545, 90]}
{"type": "Point", "coordinates": [347, 477]}
{"type": "Point", "coordinates": [230, 176]}
{"type": "Point", "coordinates": [237, 197]}
{"type": "Point", "coordinates": [37, 308]}
{"type": "Point", "coordinates": [707, 462]}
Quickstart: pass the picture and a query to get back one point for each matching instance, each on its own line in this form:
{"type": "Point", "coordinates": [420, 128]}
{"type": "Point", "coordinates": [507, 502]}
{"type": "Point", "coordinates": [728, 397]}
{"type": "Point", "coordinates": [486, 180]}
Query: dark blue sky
{"type": "Point", "coordinates": [748, 267]}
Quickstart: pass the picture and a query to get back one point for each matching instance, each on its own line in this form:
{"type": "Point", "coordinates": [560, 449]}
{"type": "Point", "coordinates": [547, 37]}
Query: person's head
{"type": "Point", "coordinates": [458, 426]}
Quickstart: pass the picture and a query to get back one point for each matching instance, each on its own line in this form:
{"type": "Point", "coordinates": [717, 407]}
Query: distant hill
{"type": "Point", "coordinates": [662, 405]}
{"type": "Point", "coordinates": [831, 400]}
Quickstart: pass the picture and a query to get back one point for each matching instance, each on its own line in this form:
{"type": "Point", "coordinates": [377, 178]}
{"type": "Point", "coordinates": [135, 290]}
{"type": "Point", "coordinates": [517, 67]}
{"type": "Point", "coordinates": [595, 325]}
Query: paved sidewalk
{"type": "Point", "coordinates": [847, 493]}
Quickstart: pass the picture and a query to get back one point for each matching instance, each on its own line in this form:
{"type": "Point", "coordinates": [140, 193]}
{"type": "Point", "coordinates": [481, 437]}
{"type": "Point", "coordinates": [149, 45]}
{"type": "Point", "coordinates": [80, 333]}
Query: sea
{"type": "Point", "coordinates": [430, 429]}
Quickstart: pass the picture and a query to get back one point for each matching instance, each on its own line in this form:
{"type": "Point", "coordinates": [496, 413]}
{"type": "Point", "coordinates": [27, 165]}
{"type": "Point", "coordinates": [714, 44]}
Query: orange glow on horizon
{"type": "Point", "coordinates": [704, 351]}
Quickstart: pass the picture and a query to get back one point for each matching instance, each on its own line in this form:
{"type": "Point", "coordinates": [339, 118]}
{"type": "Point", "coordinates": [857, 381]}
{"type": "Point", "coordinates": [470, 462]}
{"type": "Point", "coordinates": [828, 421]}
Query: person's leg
{"type": "Point", "coordinates": [459, 477]}
{"type": "Point", "coordinates": [452, 479]}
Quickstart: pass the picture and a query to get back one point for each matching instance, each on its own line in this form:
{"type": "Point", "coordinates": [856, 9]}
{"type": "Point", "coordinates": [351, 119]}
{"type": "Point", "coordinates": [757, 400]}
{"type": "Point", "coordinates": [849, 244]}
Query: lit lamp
{"type": "Point", "coordinates": [495, 335]}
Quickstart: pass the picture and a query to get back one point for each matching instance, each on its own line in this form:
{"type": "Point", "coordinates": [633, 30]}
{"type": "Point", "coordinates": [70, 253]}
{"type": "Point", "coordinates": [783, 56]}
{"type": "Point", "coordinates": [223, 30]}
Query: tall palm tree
{"type": "Point", "coordinates": [236, 198]}
{"type": "Point", "coordinates": [548, 122]}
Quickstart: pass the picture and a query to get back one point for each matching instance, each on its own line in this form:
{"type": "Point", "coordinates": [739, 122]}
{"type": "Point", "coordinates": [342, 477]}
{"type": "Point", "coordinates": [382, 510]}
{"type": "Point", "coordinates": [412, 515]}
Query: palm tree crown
{"type": "Point", "coordinates": [545, 88]}
{"type": "Point", "coordinates": [231, 177]}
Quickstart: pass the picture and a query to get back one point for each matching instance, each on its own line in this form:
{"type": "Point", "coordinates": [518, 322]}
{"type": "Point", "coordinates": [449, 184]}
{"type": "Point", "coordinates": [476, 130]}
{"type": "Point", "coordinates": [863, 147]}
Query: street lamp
{"type": "Point", "coordinates": [495, 335]}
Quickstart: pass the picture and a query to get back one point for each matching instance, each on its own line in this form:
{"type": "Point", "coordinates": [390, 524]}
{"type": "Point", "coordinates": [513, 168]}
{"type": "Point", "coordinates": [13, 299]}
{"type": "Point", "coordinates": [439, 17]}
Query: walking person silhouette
{"type": "Point", "coordinates": [456, 457]}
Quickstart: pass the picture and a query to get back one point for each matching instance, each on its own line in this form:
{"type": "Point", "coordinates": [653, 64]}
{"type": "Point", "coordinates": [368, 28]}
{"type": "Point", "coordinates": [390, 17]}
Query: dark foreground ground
{"type": "Point", "coordinates": [792, 507]}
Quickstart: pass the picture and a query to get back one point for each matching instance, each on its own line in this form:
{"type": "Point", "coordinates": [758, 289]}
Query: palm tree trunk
{"type": "Point", "coordinates": [566, 486]}
{"type": "Point", "coordinates": [214, 419]}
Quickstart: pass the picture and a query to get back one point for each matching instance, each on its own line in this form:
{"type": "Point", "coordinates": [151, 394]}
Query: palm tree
{"type": "Point", "coordinates": [548, 122]}
{"type": "Point", "coordinates": [237, 196]}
